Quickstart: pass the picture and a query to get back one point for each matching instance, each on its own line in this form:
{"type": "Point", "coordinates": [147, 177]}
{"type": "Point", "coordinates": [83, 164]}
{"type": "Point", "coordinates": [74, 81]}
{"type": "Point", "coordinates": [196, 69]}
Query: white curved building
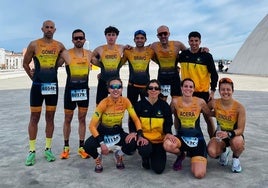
{"type": "Point", "coordinates": [252, 57]}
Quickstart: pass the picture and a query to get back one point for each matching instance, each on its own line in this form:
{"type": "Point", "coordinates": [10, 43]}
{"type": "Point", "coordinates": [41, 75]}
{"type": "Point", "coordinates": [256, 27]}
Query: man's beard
{"type": "Point", "coordinates": [79, 45]}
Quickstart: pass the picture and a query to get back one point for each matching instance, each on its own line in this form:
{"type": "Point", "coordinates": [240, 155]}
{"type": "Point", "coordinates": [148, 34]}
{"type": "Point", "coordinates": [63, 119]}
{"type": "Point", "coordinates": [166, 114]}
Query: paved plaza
{"type": "Point", "coordinates": [252, 91]}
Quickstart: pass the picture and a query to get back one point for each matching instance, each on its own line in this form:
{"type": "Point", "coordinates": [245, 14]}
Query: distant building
{"type": "Point", "coordinates": [10, 60]}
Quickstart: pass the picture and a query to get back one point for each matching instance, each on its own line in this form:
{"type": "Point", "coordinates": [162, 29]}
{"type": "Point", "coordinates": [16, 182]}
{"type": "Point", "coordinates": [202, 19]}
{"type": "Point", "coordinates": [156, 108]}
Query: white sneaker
{"type": "Point", "coordinates": [236, 167]}
{"type": "Point", "coordinates": [224, 157]}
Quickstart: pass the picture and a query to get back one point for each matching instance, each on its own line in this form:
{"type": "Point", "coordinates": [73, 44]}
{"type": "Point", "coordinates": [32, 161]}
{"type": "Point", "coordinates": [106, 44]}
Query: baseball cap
{"type": "Point", "coordinates": [140, 32]}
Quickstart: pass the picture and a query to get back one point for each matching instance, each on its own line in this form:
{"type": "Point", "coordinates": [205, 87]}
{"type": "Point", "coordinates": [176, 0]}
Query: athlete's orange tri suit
{"type": "Point", "coordinates": [45, 82]}
{"type": "Point", "coordinates": [189, 131]}
{"type": "Point", "coordinates": [168, 74]}
{"type": "Point", "coordinates": [76, 88]}
{"type": "Point", "coordinates": [226, 118]}
{"type": "Point", "coordinates": [106, 126]}
{"type": "Point", "coordinates": [110, 65]}
{"type": "Point", "coordinates": [138, 62]}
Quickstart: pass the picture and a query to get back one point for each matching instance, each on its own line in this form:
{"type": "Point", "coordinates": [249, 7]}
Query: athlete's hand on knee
{"type": "Point", "coordinates": [131, 136]}
{"type": "Point", "coordinates": [104, 149]}
{"type": "Point", "coordinates": [142, 141]}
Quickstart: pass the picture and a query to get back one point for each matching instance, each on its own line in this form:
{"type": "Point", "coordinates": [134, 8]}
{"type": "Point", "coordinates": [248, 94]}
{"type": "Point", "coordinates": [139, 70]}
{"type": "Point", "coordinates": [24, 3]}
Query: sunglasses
{"type": "Point", "coordinates": [78, 38]}
{"type": "Point", "coordinates": [162, 34]}
{"type": "Point", "coordinates": [226, 80]}
{"type": "Point", "coordinates": [115, 86]}
{"type": "Point", "coordinates": [154, 88]}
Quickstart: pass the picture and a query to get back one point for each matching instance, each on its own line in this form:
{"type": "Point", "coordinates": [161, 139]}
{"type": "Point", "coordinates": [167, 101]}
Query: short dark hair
{"type": "Point", "coordinates": [194, 34]}
{"type": "Point", "coordinates": [187, 79]}
{"type": "Point", "coordinates": [111, 29]}
{"type": "Point", "coordinates": [78, 31]}
{"type": "Point", "coordinates": [153, 81]}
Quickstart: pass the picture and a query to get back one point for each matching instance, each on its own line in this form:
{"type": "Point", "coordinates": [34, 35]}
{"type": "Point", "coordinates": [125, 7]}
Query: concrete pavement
{"type": "Point", "coordinates": [252, 91]}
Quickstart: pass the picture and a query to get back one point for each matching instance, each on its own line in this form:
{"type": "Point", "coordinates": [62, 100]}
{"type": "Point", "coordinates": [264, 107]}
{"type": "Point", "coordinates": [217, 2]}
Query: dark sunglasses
{"type": "Point", "coordinates": [226, 80]}
{"type": "Point", "coordinates": [115, 86]}
{"type": "Point", "coordinates": [78, 38]}
{"type": "Point", "coordinates": [154, 88]}
{"type": "Point", "coordinates": [162, 34]}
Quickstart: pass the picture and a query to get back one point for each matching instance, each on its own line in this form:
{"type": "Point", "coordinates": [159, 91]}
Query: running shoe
{"type": "Point", "coordinates": [65, 153]}
{"type": "Point", "coordinates": [118, 160]}
{"type": "Point", "coordinates": [236, 167]}
{"type": "Point", "coordinates": [98, 167]}
{"type": "Point", "coordinates": [178, 163]}
{"type": "Point", "coordinates": [146, 163]}
{"type": "Point", "coordinates": [224, 157]}
{"type": "Point", "coordinates": [82, 153]}
{"type": "Point", "coordinates": [30, 160]}
{"type": "Point", "coordinates": [49, 155]}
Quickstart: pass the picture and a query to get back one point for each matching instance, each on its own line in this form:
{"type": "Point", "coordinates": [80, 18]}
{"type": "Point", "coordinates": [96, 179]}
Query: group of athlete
{"type": "Point", "coordinates": [150, 116]}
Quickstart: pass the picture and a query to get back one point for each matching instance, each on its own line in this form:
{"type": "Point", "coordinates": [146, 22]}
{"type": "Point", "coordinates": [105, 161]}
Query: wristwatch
{"type": "Point", "coordinates": [229, 134]}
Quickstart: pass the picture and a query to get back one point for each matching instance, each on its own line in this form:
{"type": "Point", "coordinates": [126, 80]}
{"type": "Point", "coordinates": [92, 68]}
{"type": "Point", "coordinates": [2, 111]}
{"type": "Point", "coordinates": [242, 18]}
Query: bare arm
{"type": "Point", "coordinates": [28, 58]}
{"type": "Point", "coordinates": [90, 55]}
{"type": "Point", "coordinates": [211, 106]}
{"type": "Point", "coordinates": [174, 112]}
{"type": "Point", "coordinates": [179, 46]}
{"type": "Point", "coordinates": [60, 60]}
{"type": "Point", "coordinates": [205, 108]}
{"type": "Point", "coordinates": [96, 56]}
{"type": "Point", "coordinates": [241, 122]}
{"type": "Point", "coordinates": [123, 60]}
{"type": "Point", "coordinates": [64, 58]}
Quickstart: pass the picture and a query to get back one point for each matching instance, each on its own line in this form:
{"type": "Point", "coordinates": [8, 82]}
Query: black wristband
{"type": "Point", "coordinates": [139, 133]}
{"type": "Point", "coordinates": [231, 134]}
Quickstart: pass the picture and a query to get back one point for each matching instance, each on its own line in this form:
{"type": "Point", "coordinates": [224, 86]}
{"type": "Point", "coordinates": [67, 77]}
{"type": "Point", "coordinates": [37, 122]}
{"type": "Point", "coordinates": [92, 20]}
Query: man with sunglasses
{"type": "Point", "coordinates": [166, 57]}
{"type": "Point", "coordinates": [77, 61]}
{"type": "Point", "coordinates": [107, 57]}
{"type": "Point", "coordinates": [44, 52]}
{"type": "Point", "coordinates": [138, 59]}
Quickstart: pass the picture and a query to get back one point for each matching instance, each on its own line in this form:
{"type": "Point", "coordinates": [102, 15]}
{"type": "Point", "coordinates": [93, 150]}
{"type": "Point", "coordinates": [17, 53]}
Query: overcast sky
{"type": "Point", "coordinates": [223, 24]}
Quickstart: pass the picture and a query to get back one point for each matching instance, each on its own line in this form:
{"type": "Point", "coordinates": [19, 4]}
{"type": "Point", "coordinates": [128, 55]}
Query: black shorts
{"type": "Point", "coordinates": [173, 81]}
{"type": "Point", "coordinates": [36, 97]}
{"type": "Point", "coordinates": [133, 93]}
{"type": "Point", "coordinates": [199, 150]}
{"type": "Point", "coordinates": [102, 91]}
{"type": "Point", "coordinates": [202, 95]}
{"type": "Point", "coordinates": [71, 105]}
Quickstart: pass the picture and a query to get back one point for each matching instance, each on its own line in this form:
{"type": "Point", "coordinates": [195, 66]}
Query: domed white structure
{"type": "Point", "coordinates": [252, 57]}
